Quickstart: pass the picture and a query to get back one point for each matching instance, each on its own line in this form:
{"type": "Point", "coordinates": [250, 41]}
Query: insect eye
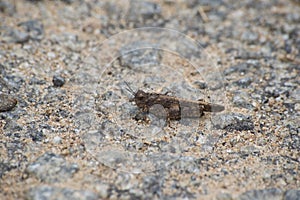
{"type": "Point", "coordinates": [140, 96]}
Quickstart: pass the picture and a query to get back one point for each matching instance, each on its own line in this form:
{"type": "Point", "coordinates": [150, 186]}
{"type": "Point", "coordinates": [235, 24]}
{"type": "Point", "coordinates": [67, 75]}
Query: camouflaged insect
{"type": "Point", "coordinates": [173, 108]}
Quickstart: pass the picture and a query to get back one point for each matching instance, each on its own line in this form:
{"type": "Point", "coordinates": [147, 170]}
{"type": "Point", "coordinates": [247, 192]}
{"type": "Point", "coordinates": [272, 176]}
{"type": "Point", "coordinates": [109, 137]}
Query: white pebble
{"type": "Point", "coordinates": [56, 140]}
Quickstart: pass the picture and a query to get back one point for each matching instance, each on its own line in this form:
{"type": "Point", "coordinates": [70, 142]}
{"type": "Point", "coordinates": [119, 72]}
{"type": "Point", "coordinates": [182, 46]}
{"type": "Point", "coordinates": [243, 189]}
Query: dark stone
{"type": "Point", "coordinates": [58, 81]}
{"type": "Point", "coordinates": [37, 135]}
{"type": "Point", "coordinates": [34, 28]}
{"type": "Point", "coordinates": [244, 82]}
{"type": "Point", "coordinates": [201, 85]}
{"type": "Point", "coordinates": [7, 102]}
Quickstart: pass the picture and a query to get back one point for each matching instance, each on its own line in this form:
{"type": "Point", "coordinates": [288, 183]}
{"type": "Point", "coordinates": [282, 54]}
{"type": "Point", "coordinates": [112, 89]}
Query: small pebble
{"type": "Point", "coordinates": [244, 82]}
{"type": "Point", "coordinates": [7, 103]}
{"type": "Point", "coordinates": [201, 85]}
{"type": "Point", "coordinates": [51, 55]}
{"type": "Point", "coordinates": [249, 150]}
{"type": "Point", "coordinates": [58, 81]}
{"type": "Point", "coordinates": [56, 140]}
{"type": "Point", "coordinates": [34, 28]}
{"type": "Point", "coordinates": [19, 36]}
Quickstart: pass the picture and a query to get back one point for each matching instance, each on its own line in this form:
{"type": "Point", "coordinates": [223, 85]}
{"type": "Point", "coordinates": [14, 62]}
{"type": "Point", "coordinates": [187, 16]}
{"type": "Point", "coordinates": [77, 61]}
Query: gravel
{"type": "Point", "coordinates": [7, 8]}
{"type": "Point", "coordinates": [14, 35]}
{"type": "Point", "coordinates": [4, 167]}
{"type": "Point", "coordinates": [233, 121]}
{"type": "Point", "coordinates": [242, 99]}
{"type": "Point", "coordinates": [68, 129]}
{"type": "Point", "coordinates": [139, 54]}
{"type": "Point", "coordinates": [292, 195]}
{"type": "Point", "coordinates": [271, 193]}
{"type": "Point", "coordinates": [51, 192]}
{"type": "Point", "coordinates": [52, 168]}
{"type": "Point", "coordinates": [141, 12]}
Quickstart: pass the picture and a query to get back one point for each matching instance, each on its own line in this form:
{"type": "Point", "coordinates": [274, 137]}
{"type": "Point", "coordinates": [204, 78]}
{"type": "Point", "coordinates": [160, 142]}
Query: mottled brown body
{"type": "Point", "coordinates": [172, 108]}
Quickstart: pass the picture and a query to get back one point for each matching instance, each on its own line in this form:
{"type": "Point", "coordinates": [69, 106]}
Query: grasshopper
{"type": "Point", "coordinates": [173, 108]}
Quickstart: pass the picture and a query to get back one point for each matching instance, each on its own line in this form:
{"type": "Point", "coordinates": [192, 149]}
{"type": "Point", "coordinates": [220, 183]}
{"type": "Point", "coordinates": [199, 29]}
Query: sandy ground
{"type": "Point", "coordinates": [71, 65]}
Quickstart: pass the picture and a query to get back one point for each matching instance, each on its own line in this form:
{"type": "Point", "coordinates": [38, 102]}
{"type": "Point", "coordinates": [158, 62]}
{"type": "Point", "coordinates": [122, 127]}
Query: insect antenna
{"type": "Point", "coordinates": [129, 89]}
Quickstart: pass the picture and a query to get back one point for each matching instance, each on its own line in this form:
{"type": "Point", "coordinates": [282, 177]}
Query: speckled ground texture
{"type": "Point", "coordinates": [68, 130]}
